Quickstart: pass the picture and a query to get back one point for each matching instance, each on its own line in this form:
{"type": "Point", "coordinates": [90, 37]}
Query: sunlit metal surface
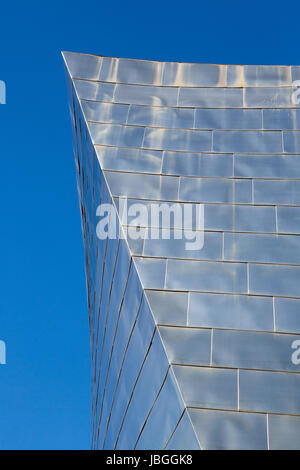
{"type": "Point", "coordinates": [191, 349]}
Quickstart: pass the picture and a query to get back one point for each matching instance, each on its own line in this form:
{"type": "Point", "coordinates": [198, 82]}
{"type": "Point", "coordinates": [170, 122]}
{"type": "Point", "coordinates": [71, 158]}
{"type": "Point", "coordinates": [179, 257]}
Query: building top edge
{"type": "Point", "coordinates": [175, 62]}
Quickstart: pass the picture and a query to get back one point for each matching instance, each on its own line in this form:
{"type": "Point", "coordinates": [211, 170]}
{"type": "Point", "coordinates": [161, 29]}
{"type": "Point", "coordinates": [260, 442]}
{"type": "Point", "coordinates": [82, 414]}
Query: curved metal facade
{"type": "Point", "coordinates": [191, 349]}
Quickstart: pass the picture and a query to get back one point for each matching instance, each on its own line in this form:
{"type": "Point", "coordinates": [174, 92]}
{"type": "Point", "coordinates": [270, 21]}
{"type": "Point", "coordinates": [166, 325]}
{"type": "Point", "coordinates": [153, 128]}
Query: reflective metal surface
{"type": "Point", "coordinates": [200, 348]}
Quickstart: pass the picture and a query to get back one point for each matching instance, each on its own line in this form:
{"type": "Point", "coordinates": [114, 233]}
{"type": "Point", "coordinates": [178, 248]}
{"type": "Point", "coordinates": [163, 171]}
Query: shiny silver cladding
{"type": "Point", "coordinates": [191, 350]}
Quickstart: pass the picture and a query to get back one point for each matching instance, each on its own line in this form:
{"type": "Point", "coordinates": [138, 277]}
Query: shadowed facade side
{"type": "Point", "coordinates": [191, 349]}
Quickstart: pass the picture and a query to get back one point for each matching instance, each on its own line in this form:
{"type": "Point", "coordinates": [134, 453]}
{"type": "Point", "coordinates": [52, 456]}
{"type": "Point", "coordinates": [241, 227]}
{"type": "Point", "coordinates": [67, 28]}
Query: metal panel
{"type": "Point", "coordinates": [228, 119]}
{"type": "Point", "coordinates": [148, 95]}
{"type": "Point", "coordinates": [171, 139]}
{"type": "Point", "coordinates": [291, 141]}
{"type": "Point", "coordinates": [189, 75]}
{"type": "Point", "coordinates": [208, 388]}
{"type": "Point", "coordinates": [147, 186]}
{"type": "Point", "coordinates": [274, 280]}
{"type": "Point", "coordinates": [170, 404]}
{"type": "Point", "coordinates": [230, 311]}
{"type": "Point", "coordinates": [193, 164]}
{"type": "Point", "coordinates": [161, 117]}
{"type": "Point", "coordinates": [207, 276]}
{"type": "Point", "coordinates": [129, 159]}
{"type": "Point", "coordinates": [83, 65]}
{"type": "Point", "coordinates": [169, 308]}
{"type": "Point", "coordinates": [253, 350]}
{"type": "Point", "coordinates": [187, 346]}
{"type": "Point", "coordinates": [215, 190]}
{"type": "Point", "coordinates": [284, 432]}
{"type": "Point", "coordinates": [151, 272]}
{"type": "Point", "coordinates": [105, 112]}
{"type": "Point", "coordinates": [274, 392]}
{"type": "Point", "coordinates": [268, 98]}
{"type": "Point", "coordinates": [211, 97]}
{"type": "Point", "coordinates": [247, 142]}
{"type": "Point", "coordinates": [94, 91]}
{"type": "Point", "coordinates": [288, 219]}
{"type": "Point", "coordinates": [143, 72]}
{"type": "Point", "coordinates": [185, 244]}
{"type": "Point", "coordinates": [184, 436]}
{"type": "Point", "coordinates": [281, 249]}
{"type": "Point", "coordinates": [219, 430]}
{"type": "Point", "coordinates": [145, 392]}
{"type": "Point", "coordinates": [261, 166]}
{"type": "Point", "coordinates": [267, 75]}
{"type": "Point", "coordinates": [239, 218]}
{"type": "Point", "coordinates": [122, 136]}
{"type": "Point", "coordinates": [276, 192]}
{"type": "Point", "coordinates": [281, 119]}
{"type": "Point", "coordinates": [287, 315]}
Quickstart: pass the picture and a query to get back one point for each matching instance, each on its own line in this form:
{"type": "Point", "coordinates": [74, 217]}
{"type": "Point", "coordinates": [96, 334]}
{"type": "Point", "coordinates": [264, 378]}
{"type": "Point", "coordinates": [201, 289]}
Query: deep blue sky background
{"type": "Point", "coordinates": [45, 386]}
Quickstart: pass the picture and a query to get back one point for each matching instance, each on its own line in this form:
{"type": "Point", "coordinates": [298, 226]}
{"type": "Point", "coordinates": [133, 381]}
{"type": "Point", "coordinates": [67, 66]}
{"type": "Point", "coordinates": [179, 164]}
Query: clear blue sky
{"type": "Point", "coordinates": [45, 386]}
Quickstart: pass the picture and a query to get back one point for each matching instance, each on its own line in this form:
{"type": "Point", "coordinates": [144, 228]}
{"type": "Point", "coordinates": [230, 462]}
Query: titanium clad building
{"type": "Point", "coordinates": [194, 327]}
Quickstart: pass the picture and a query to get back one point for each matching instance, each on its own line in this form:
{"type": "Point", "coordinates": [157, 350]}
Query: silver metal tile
{"type": "Point", "coordinates": [228, 119]}
{"type": "Point", "coordinates": [177, 139]}
{"type": "Point", "coordinates": [223, 430]}
{"type": "Point", "coordinates": [137, 348]}
{"type": "Point", "coordinates": [281, 119]}
{"type": "Point", "coordinates": [189, 75]}
{"type": "Point", "coordinates": [247, 141]}
{"type": "Point", "coordinates": [235, 76]}
{"type": "Point", "coordinates": [184, 437]}
{"type": "Point", "coordinates": [105, 112]}
{"type": "Point", "coordinates": [267, 75]}
{"type": "Point", "coordinates": [150, 380]}
{"type": "Point", "coordinates": [295, 72]}
{"type": "Point", "coordinates": [147, 186]}
{"type": "Point", "coordinates": [185, 244]}
{"type": "Point", "coordinates": [271, 392]}
{"type": "Point", "coordinates": [122, 136]}
{"type": "Point", "coordinates": [284, 432]}
{"type": "Point", "coordinates": [239, 218]}
{"type": "Point", "coordinates": [271, 166]}
{"type": "Point", "coordinates": [193, 164]}
{"type": "Point", "coordinates": [94, 91]}
{"type": "Point", "coordinates": [160, 214]}
{"type": "Point", "coordinates": [207, 388]}
{"type": "Point", "coordinates": [268, 97]}
{"type": "Point", "coordinates": [186, 345]}
{"type": "Point", "coordinates": [211, 97]}
{"type": "Point", "coordinates": [288, 219]}
{"type": "Point", "coordinates": [156, 432]}
{"type": "Point", "coordinates": [291, 141]}
{"type": "Point", "coordinates": [282, 249]}
{"type": "Point", "coordinates": [254, 350]}
{"type": "Point", "coordinates": [161, 117]}
{"type": "Point", "coordinates": [214, 190]}
{"type": "Point", "coordinates": [149, 95]}
{"type": "Point", "coordinates": [276, 192]}
{"type": "Point", "coordinates": [151, 272]}
{"type": "Point", "coordinates": [274, 280]}
{"type": "Point", "coordinates": [129, 159]}
{"type": "Point", "coordinates": [287, 315]}
{"type": "Point", "coordinates": [206, 276]}
{"type": "Point", "coordinates": [239, 312]}
{"type": "Point", "coordinates": [142, 72]}
{"type": "Point", "coordinates": [169, 308]}
{"type": "Point", "coordinates": [82, 65]}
